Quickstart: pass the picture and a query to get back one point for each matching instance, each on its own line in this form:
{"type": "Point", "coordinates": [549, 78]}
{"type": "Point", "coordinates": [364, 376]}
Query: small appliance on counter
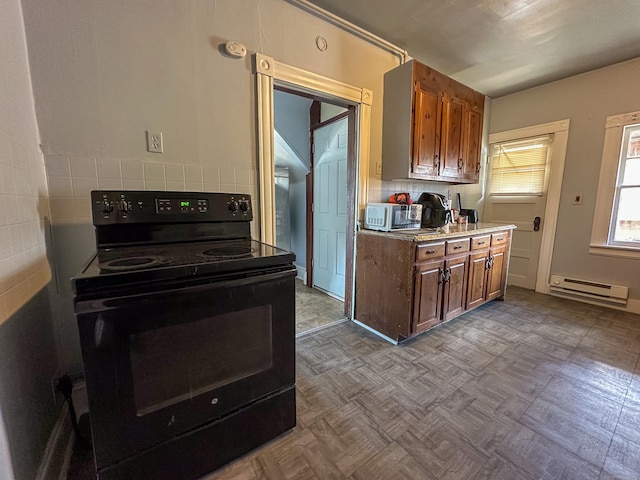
{"type": "Point", "coordinates": [392, 216]}
{"type": "Point", "coordinates": [435, 210]}
{"type": "Point", "coordinates": [471, 214]}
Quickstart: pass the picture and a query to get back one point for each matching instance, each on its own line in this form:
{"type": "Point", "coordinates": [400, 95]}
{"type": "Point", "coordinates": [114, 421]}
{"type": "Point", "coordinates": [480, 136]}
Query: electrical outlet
{"type": "Point", "coordinates": [154, 142]}
{"type": "Point", "coordinates": [577, 199]}
{"type": "Point", "coordinates": [378, 168]}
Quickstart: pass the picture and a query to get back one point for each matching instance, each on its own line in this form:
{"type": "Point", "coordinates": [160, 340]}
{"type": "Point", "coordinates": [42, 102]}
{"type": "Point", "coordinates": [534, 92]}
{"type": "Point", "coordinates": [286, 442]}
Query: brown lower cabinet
{"type": "Point", "coordinates": [404, 288]}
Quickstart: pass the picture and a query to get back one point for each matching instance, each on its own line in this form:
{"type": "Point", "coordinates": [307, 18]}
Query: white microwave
{"type": "Point", "coordinates": [392, 216]}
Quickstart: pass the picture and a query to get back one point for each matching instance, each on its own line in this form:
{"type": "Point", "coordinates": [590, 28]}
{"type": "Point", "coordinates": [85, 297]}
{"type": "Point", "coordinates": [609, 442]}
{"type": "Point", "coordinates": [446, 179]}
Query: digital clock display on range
{"type": "Point", "coordinates": [185, 205]}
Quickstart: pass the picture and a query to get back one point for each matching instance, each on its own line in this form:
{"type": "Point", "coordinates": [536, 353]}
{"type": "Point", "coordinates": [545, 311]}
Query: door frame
{"type": "Point", "coordinates": [270, 73]}
{"type": "Point", "coordinates": [560, 132]}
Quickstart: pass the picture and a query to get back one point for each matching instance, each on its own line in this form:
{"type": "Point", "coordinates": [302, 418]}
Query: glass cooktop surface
{"type": "Point", "coordinates": [127, 264]}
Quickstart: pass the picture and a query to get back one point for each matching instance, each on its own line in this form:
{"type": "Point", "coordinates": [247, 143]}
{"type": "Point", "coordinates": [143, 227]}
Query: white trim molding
{"type": "Point", "coordinates": [560, 132]}
{"type": "Point", "coordinates": [269, 73]}
{"type": "Point", "coordinates": [614, 129]}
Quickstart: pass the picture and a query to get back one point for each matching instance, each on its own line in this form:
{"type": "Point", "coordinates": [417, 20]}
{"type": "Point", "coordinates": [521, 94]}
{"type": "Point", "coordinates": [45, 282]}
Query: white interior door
{"type": "Point", "coordinates": [330, 207]}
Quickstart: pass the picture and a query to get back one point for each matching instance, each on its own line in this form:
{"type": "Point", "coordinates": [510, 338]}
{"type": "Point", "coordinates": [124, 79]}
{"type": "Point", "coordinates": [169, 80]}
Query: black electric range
{"type": "Point", "coordinates": [187, 329]}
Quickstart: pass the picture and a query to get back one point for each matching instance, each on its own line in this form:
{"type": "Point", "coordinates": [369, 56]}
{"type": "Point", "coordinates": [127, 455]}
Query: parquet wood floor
{"type": "Point", "coordinates": [535, 387]}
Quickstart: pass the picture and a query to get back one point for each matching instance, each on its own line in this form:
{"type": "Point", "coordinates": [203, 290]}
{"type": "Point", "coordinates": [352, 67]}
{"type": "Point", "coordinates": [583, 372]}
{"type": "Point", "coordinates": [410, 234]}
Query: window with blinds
{"type": "Point", "coordinates": [518, 167]}
{"type": "Point", "coordinates": [625, 218]}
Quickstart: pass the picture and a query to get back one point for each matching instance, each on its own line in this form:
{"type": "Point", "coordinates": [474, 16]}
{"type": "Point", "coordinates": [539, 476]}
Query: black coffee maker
{"type": "Point", "coordinates": [435, 210]}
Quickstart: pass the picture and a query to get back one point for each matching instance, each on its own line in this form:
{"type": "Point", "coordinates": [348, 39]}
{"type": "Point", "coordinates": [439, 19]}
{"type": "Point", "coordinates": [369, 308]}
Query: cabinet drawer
{"type": "Point", "coordinates": [457, 246]}
{"type": "Point", "coordinates": [427, 252]}
{"type": "Point", "coordinates": [478, 243]}
{"type": "Point", "coordinates": [499, 238]}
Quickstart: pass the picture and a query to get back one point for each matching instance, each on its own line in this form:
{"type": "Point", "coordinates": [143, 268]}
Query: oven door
{"type": "Point", "coordinates": [158, 365]}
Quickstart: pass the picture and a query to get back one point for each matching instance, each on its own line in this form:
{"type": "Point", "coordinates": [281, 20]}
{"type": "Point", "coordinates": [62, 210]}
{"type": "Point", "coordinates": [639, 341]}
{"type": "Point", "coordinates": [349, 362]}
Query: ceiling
{"type": "Point", "coordinates": [502, 46]}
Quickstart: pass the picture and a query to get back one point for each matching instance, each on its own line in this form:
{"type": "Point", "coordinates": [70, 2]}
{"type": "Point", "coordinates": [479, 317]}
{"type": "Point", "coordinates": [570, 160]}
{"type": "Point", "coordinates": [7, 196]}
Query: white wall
{"type": "Point", "coordinates": [28, 359]}
{"type": "Point", "coordinates": [106, 71]}
{"type": "Point", "coordinates": [587, 100]}
{"type": "Point", "coordinates": [291, 119]}
{"type": "Point", "coordinates": [24, 269]}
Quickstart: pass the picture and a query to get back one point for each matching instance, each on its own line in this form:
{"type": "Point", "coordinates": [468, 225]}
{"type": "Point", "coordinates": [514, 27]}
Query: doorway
{"type": "Point", "coordinates": [271, 74]}
{"type": "Point", "coordinates": [524, 190]}
{"type": "Point", "coordinates": [311, 156]}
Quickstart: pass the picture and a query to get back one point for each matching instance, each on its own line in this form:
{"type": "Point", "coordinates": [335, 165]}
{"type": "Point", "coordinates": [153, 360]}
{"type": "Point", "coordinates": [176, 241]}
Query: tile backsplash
{"type": "Point", "coordinates": [472, 194]}
{"type": "Point", "coordinates": [72, 178]}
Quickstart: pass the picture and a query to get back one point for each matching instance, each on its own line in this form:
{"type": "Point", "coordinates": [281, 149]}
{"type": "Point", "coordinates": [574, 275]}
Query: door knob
{"type": "Point", "coordinates": [536, 224]}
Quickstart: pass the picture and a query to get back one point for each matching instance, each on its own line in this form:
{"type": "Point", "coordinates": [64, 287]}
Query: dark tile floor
{"type": "Point", "coordinates": [531, 388]}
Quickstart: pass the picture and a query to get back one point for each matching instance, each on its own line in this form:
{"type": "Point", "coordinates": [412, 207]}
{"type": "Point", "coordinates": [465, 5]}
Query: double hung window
{"type": "Point", "coordinates": [616, 226]}
{"type": "Point", "coordinates": [625, 215]}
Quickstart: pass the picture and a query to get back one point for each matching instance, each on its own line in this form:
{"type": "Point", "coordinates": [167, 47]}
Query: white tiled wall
{"type": "Point", "coordinates": [72, 178]}
{"type": "Point", "coordinates": [24, 269]}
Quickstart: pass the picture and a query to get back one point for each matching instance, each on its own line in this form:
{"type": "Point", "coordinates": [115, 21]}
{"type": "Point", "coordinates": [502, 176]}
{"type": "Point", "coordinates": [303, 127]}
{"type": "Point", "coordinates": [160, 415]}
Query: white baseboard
{"type": "Point", "coordinates": [302, 274]}
{"type": "Point", "coordinates": [57, 455]}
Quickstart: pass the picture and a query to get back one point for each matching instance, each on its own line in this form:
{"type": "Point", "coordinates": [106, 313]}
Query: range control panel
{"type": "Point", "coordinates": [111, 207]}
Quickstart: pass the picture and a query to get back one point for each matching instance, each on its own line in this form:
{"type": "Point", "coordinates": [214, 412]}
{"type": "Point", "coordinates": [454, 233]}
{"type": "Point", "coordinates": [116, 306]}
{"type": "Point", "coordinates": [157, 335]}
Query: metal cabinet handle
{"type": "Point", "coordinates": [481, 243]}
{"type": "Point", "coordinates": [457, 247]}
{"type": "Point", "coordinates": [431, 251]}
{"type": "Point", "coordinates": [500, 239]}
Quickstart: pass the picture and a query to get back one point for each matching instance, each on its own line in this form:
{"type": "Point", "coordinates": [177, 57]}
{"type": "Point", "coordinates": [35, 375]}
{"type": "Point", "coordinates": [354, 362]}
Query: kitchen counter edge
{"type": "Point", "coordinates": [442, 233]}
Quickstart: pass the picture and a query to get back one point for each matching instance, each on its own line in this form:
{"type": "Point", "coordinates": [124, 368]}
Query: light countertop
{"type": "Point", "coordinates": [452, 230]}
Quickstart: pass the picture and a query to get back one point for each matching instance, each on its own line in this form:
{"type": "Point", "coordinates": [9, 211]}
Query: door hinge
{"type": "Point", "coordinates": [313, 148]}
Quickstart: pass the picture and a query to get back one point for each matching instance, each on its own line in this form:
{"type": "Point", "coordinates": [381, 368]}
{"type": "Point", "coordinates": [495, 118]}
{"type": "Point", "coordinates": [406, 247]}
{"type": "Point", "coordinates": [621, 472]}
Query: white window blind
{"type": "Point", "coordinates": [625, 224]}
{"type": "Point", "coordinates": [518, 167]}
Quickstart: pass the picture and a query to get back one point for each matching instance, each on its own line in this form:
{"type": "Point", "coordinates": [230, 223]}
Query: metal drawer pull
{"type": "Point", "coordinates": [457, 247]}
{"type": "Point", "coordinates": [500, 239]}
{"type": "Point", "coordinates": [481, 243]}
{"type": "Point", "coordinates": [431, 251]}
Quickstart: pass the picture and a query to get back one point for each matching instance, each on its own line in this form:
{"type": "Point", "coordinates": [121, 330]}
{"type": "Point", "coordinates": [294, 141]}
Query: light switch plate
{"type": "Point", "coordinates": [378, 168]}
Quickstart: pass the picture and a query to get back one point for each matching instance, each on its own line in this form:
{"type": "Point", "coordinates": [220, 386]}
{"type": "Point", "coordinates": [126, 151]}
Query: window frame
{"type": "Point", "coordinates": [604, 215]}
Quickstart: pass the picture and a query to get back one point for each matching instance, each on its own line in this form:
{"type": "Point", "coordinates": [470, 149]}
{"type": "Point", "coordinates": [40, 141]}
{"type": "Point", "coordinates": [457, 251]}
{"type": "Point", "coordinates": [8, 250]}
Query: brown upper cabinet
{"type": "Point", "coordinates": [432, 126]}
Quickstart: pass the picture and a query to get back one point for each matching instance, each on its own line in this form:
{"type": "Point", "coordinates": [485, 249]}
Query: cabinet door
{"type": "Point", "coordinates": [427, 300]}
{"type": "Point", "coordinates": [476, 291]}
{"type": "Point", "coordinates": [472, 143]}
{"type": "Point", "coordinates": [427, 110]}
{"type": "Point", "coordinates": [451, 143]}
{"type": "Point", "coordinates": [497, 274]}
{"type": "Point", "coordinates": [456, 270]}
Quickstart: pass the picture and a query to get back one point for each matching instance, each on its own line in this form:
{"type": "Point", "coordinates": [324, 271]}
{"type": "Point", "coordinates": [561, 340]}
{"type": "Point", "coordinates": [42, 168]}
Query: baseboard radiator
{"type": "Point", "coordinates": [590, 292]}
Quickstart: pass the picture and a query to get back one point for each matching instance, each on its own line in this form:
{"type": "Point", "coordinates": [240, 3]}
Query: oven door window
{"type": "Point", "coordinates": [175, 363]}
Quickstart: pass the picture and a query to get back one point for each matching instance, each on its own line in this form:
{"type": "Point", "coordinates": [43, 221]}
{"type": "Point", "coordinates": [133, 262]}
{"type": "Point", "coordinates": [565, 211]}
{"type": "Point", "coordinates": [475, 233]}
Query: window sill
{"type": "Point", "coordinates": [614, 251]}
